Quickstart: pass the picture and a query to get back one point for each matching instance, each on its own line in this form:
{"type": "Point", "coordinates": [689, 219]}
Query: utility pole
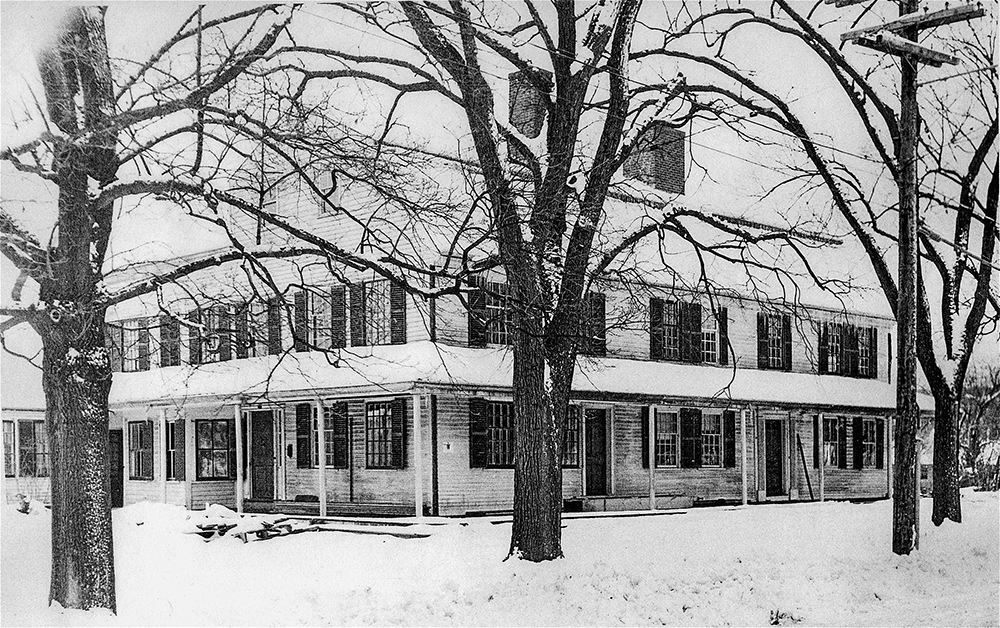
{"type": "Point", "coordinates": [899, 37]}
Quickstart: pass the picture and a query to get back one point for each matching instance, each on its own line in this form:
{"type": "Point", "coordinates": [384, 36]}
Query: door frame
{"type": "Point", "coordinates": [784, 420]}
{"type": "Point", "coordinates": [277, 448]}
{"type": "Point", "coordinates": [609, 485]}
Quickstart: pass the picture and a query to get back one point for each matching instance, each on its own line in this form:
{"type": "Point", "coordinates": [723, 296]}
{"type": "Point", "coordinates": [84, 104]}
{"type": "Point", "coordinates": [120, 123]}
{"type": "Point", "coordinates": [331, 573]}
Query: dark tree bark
{"type": "Point", "coordinates": [947, 497]}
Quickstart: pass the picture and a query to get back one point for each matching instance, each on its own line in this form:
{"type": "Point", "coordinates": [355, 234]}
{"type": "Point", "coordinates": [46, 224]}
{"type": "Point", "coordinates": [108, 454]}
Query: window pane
{"type": "Point", "coordinates": [220, 436]}
{"type": "Point", "coordinates": [221, 463]}
{"type": "Point", "coordinates": [204, 434]}
{"type": "Point", "coordinates": [205, 469]}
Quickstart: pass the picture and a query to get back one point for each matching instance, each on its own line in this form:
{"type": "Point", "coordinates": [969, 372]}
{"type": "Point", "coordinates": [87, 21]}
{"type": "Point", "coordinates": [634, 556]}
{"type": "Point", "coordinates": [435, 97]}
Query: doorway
{"type": "Point", "coordinates": [596, 456]}
{"type": "Point", "coordinates": [262, 454]}
{"type": "Point", "coordinates": [774, 474]}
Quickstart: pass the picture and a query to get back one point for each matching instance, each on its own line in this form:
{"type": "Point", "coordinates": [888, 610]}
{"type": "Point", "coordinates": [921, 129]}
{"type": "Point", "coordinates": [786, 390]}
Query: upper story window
{"type": "Point", "coordinates": [657, 158]}
{"type": "Point", "coordinates": [320, 319]}
{"type": "Point", "coordinates": [210, 335]}
{"type": "Point", "coordinates": [329, 186]}
{"type": "Point", "coordinates": [688, 332]}
{"type": "Point", "coordinates": [490, 314]}
{"type": "Point", "coordinates": [774, 341]}
{"type": "Point", "coordinates": [128, 345]}
{"type": "Point", "coordinates": [259, 326]}
{"type": "Point", "coordinates": [846, 349]}
{"type": "Point", "coordinates": [378, 313]}
{"type": "Point", "coordinates": [593, 339]}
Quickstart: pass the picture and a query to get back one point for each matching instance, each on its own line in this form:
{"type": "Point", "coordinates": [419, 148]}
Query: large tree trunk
{"type": "Point", "coordinates": [76, 383]}
{"type": "Point", "coordinates": [536, 532]}
{"type": "Point", "coordinates": [947, 498]}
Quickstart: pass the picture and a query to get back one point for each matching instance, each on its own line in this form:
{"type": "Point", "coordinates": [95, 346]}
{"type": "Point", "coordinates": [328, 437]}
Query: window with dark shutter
{"type": "Point", "coordinates": [656, 348]}
{"type": "Point", "coordinates": [144, 324]}
{"type": "Point", "coordinates": [194, 337]}
{"type": "Point", "coordinates": [300, 333]}
{"type": "Point", "coordinates": [762, 348]}
{"type": "Point", "coordinates": [729, 439]}
{"type": "Point", "coordinates": [690, 438]}
{"type": "Point", "coordinates": [478, 428]}
{"type": "Point", "coordinates": [399, 433]}
{"type": "Point", "coordinates": [859, 442]}
{"type": "Point", "coordinates": [338, 317]}
{"type": "Point", "coordinates": [477, 313]}
{"type": "Point", "coordinates": [644, 430]}
{"type": "Point", "coordinates": [357, 315]}
{"type": "Point", "coordinates": [786, 342]}
{"type": "Point", "coordinates": [303, 435]}
{"type": "Point", "coordinates": [879, 443]}
{"type": "Point", "coordinates": [823, 357]}
{"type": "Point", "coordinates": [274, 326]}
{"type": "Point", "coordinates": [397, 314]}
{"type": "Point", "coordinates": [723, 318]}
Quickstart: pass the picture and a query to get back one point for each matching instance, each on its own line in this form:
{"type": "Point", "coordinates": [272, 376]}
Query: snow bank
{"type": "Point", "coordinates": [814, 564]}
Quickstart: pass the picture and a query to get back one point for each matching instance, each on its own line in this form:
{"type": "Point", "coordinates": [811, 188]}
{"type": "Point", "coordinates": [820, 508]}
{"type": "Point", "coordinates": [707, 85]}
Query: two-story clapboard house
{"type": "Point", "coordinates": [679, 399]}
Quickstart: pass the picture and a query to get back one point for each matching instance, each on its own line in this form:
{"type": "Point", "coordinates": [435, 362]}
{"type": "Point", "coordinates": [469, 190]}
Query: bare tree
{"type": "Point", "coordinates": [980, 426]}
{"type": "Point", "coordinates": [957, 301]}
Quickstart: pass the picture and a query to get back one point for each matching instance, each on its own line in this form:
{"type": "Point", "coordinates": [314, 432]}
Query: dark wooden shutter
{"type": "Point", "coordinates": [786, 342]}
{"type": "Point", "coordinates": [231, 425]}
{"type": "Point", "coordinates": [399, 433]}
{"type": "Point", "coordinates": [397, 314]}
{"type": "Point", "coordinates": [842, 443]}
{"type": "Point", "coordinates": [690, 319]}
{"type": "Point", "coordinates": [341, 434]}
{"type": "Point", "coordinates": [338, 317]}
{"type": "Point", "coordinates": [859, 442]}
{"type": "Point", "coordinates": [303, 435]}
{"type": "Point", "coordinates": [274, 326]}
{"type": "Point", "coordinates": [817, 439]}
{"type": "Point", "coordinates": [194, 337]}
{"type": "Point", "coordinates": [852, 350]}
{"type": "Point", "coordinates": [595, 325]}
{"type": "Point", "coordinates": [873, 352]}
{"type": "Point", "coordinates": [477, 313]}
{"type": "Point", "coordinates": [644, 430]}
{"type": "Point", "coordinates": [170, 336]}
{"type": "Point", "coordinates": [300, 334]}
{"type": "Point", "coordinates": [761, 340]}
{"type": "Point", "coordinates": [113, 343]}
{"type": "Point", "coordinates": [180, 450]}
{"type": "Point", "coordinates": [690, 438]}
{"type": "Point", "coordinates": [729, 438]}
{"type": "Point", "coordinates": [144, 324]}
{"type": "Point", "coordinates": [823, 365]}
{"type": "Point", "coordinates": [723, 318]}
{"type": "Point", "coordinates": [879, 443]}
{"type": "Point", "coordinates": [224, 332]}
{"type": "Point", "coordinates": [241, 312]}
{"type": "Point", "coordinates": [147, 446]}
{"type": "Point", "coordinates": [357, 314]}
{"type": "Point", "coordinates": [656, 348]}
{"type": "Point", "coordinates": [477, 433]}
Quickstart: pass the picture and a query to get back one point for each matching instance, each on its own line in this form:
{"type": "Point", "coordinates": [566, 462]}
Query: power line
{"type": "Point", "coordinates": [951, 76]}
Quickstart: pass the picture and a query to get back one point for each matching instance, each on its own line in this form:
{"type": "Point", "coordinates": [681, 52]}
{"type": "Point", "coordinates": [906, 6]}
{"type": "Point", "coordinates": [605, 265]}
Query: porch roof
{"type": "Point", "coordinates": [394, 369]}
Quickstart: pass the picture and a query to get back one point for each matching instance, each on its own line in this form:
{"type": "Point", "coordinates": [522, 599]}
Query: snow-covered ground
{"type": "Point", "coordinates": [813, 564]}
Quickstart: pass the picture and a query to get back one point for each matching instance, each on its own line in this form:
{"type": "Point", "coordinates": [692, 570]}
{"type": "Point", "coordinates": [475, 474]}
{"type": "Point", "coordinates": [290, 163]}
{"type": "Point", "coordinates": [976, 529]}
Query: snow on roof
{"type": "Point", "coordinates": [395, 369]}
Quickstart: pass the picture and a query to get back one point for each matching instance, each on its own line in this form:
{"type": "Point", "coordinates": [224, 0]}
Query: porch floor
{"type": "Point", "coordinates": [350, 509]}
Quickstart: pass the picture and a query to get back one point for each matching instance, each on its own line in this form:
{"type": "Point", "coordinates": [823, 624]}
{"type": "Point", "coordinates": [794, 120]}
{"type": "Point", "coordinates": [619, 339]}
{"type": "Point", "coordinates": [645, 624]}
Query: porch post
{"type": "Point", "coordinates": [163, 455]}
{"type": "Point", "coordinates": [238, 415]}
{"type": "Point", "coordinates": [889, 454]}
{"type": "Point", "coordinates": [17, 451]}
{"type": "Point", "coordinates": [651, 450]}
{"type": "Point", "coordinates": [822, 458]}
{"type": "Point", "coordinates": [190, 451]}
{"type": "Point", "coordinates": [743, 447]}
{"type": "Point", "coordinates": [418, 461]}
{"type": "Point", "coordinates": [321, 442]}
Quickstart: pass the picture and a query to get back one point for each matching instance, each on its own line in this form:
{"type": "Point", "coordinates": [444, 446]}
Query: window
{"type": "Point", "coordinates": [864, 354]}
{"type": "Point", "coordinates": [215, 449]}
{"type": "Point", "coordinates": [320, 319]}
{"type": "Point", "coordinates": [500, 434]}
{"type": "Point", "coordinates": [328, 438]}
{"type": "Point", "coordinates": [258, 333]}
{"type": "Point", "coordinates": [212, 341]}
{"type": "Point", "coordinates": [711, 439]}
{"type": "Point", "coordinates": [666, 438]}
{"type": "Point", "coordinates": [870, 443]}
{"type": "Point", "coordinates": [326, 181]}
{"type": "Point", "coordinates": [836, 347]}
{"type": "Point", "coordinates": [571, 438]}
{"type": "Point", "coordinates": [171, 454]}
{"type": "Point", "coordinates": [846, 349]}
{"type": "Point", "coordinates": [709, 337]}
{"type": "Point", "coordinates": [135, 345]}
{"type": "Point", "coordinates": [671, 331]}
{"type": "Point", "coordinates": [8, 449]}
{"type": "Point", "coordinates": [377, 315]}
{"type": "Point", "coordinates": [140, 450]}
{"type": "Point", "coordinates": [774, 346]}
{"type": "Point", "coordinates": [832, 438]}
{"type": "Point", "coordinates": [385, 438]}
{"type": "Point", "coordinates": [33, 440]}
{"type": "Point", "coordinates": [499, 316]}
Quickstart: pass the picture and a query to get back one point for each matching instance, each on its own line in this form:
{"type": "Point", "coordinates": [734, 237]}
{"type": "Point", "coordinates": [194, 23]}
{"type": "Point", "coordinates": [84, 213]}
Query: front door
{"type": "Point", "coordinates": [262, 454]}
{"type": "Point", "coordinates": [116, 468]}
{"type": "Point", "coordinates": [596, 454]}
{"type": "Point", "coordinates": [774, 472]}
